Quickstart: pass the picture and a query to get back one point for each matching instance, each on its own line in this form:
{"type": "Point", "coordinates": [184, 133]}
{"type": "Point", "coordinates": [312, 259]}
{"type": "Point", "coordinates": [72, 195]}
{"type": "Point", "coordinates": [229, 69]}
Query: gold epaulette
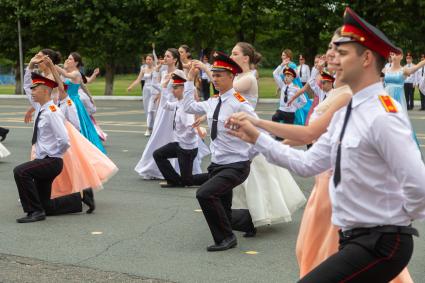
{"type": "Point", "coordinates": [388, 103]}
{"type": "Point", "coordinates": [239, 97]}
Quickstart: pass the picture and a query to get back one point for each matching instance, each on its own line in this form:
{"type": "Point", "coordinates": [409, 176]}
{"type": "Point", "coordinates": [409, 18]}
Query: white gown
{"type": "Point", "coordinates": [3, 151]}
{"type": "Point", "coordinates": [270, 193]}
{"type": "Point", "coordinates": [162, 134]}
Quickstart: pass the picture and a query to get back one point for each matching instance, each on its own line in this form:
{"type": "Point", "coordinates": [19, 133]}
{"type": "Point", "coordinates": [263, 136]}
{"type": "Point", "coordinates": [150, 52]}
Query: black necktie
{"type": "Point", "coordinates": [285, 98]}
{"type": "Point", "coordinates": [34, 133]}
{"type": "Point", "coordinates": [215, 120]}
{"type": "Point", "coordinates": [423, 71]}
{"type": "Point", "coordinates": [301, 71]}
{"type": "Point", "coordinates": [337, 172]}
{"type": "Point", "coordinates": [174, 119]}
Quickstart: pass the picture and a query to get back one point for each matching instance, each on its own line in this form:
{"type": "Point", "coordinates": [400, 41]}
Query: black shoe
{"type": "Point", "coordinates": [3, 133]}
{"type": "Point", "coordinates": [226, 244]}
{"type": "Point", "coordinates": [88, 199]}
{"type": "Point", "coordinates": [169, 185]}
{"type": "Point", "coordinates": [32, 217]}
{"type": "Point", "coordinates": [250, 234]}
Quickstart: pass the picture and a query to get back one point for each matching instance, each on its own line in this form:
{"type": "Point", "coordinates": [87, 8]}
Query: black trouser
{"type": "Point", "coordinates": [185, 158]}
{"type": "Point", "coordinates": [34, 181]}
{"type": "Point", "coordinates": [241, 220]}
{"type": "Point", "coordinates": [205, 89]}
{"type": "Point", "coordinates": [422, 95]}
{"type": "Point", "coordinates": [215, 196]}
{"type": "Point", "coordinates": [285, 117]}
{"type": "Point", "coordinates": [371, 257]}
{"type": "Point", "coordinates": [408, 93]}
{"type": "Point", "coordinates": [3, 131]}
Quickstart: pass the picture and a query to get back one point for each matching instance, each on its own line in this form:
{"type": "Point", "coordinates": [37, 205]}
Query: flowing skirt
{"type": "Point", "coordinates": [87, 128]}
{"type": "Point", "coordinates": [84, 166]}
{"type": "Point", "coordinates": [397, 92]}
{"type": "Point", "coordinates": [269, 193]}
{"type": "Point", "coordinates": [102, 135]}
{"type": "Point", "coordinates": [318, 237]}
{"type": "Point", "coordinates": [3, 151]}
{"type": "Point", "coordinates": [162, 134]}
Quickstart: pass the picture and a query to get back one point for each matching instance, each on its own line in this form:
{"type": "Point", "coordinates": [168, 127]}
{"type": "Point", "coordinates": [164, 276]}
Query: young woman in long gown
{"type": "Point", "coordinates": [74, 81]}
{"type": "Point", "coordinates": [146, 73]}
{"type": "Point", "coordinates": [270, 194]}
{"type": "Point", "coordinates": [395, 76]}
{"type": "Point", "coordinates": [162, 132]}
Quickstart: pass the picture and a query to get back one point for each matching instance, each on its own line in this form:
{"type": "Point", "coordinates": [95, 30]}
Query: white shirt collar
{"type": "Point", "coordinates": [46, 105]}
{"type": "Point", "coordinates": [371, 90]}
{"type": "Point", "coordinates": [227, 94]}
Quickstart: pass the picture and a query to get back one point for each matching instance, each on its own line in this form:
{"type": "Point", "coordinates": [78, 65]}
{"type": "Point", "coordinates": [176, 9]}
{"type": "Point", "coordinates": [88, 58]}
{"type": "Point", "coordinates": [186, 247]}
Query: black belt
{"type": "Point", "coordinates": [388, 229]}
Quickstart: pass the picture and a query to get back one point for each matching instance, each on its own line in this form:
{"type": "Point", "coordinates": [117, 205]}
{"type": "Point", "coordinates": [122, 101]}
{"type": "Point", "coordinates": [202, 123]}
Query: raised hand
{"type": "Point", "coordinates": [199, 121]}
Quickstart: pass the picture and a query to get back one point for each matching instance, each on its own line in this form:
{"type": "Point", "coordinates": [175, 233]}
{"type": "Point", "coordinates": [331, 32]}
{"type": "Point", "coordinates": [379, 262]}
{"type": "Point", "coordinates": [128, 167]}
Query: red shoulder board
{"type": "Point", "coordinates": [388, 103]}
{"type": "Point", "coordinates": [69, 101]}
{"type": "Point", "coordinates": [239, 97]}
{"type": "Point", "coordinates": [52, 108]}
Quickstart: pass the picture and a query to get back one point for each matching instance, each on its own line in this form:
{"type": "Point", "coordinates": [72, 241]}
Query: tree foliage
{"type": "Point", "coordinates": [115, 33]}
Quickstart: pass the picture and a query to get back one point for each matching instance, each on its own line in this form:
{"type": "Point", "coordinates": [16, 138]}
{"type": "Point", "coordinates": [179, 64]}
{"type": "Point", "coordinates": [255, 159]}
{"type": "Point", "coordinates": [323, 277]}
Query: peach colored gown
{"type": "Point", "coordinates": [318, 237]}
{"type": "Point", "coordinates": [84, 166]}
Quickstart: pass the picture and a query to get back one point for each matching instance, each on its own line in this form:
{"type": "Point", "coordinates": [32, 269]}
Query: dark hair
{"type": "Point", "coordinates": [83, 77]}
{"type": "Point", "coordinates": [53, 55]}
{"type": "Point", "coordinates": [149, 55]}
{"type": "Point", "coordinates": [380, 60]}
{"type": "Point", "coordinates": [249, 50]}
{"type": "Point", "coordinates": [77, 58]}
{"type": "Point", "coordinates": [176, 55]}
{"type": "Point", "coordinates": [288, 53]}
{"type": "Point", "coordinates": [187, 49]}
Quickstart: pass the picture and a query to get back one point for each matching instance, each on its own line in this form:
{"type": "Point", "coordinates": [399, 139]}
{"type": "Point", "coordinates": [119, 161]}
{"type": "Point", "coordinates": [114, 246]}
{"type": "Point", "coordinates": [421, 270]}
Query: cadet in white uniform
{"type": "Point", "coordinates": [230, 159]}
{"type": "Point", "coordinates": [185, 146]}
{"type": "Point", "coordinates": [303, 70]}
{"type": "Point", "coordinates": [34, 178]}
{"type": "Point", "coordinates": [419, 77]}
{"type": "Point", "coordinates": [286, 111]}
{"type": "Point", "coordinates": [378, 188]}
{"type": "Point", "coordinates": [409, 82]}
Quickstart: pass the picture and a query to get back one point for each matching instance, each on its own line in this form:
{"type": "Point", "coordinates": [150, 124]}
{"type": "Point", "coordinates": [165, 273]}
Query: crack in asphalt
{"type": "Point", "coordinates": [173, 215]}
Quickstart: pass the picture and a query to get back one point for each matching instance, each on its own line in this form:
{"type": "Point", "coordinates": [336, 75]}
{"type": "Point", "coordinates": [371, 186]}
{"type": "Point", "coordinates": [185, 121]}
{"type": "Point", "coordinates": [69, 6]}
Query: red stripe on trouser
{"type": "Point", "coordinates": [397, 244]}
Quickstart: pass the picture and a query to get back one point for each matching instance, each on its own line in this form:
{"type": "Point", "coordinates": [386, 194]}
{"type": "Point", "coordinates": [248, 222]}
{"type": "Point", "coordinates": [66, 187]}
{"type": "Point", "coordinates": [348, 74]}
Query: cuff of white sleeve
{"type": "Point", "coordinates": [263, 143]}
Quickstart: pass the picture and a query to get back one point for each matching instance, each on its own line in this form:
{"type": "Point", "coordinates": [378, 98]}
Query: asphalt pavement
{"type": "Point", "coordinates": [140, 232]}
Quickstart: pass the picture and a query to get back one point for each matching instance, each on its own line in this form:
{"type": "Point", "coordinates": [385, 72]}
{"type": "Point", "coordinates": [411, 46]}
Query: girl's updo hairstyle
{"type": "Point", "coordinates": [249, 50]}
{"type": "Point", "coordinates": [55, 56]}
{"type": "Point", "coordinates": [176, 55]}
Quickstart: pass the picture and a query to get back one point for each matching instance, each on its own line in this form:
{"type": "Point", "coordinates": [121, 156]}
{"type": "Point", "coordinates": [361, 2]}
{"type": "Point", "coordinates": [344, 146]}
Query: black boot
{"type": "Point", "coordinates": [3, 133]}
{"type": "Point", "coordinates": [88, 199]}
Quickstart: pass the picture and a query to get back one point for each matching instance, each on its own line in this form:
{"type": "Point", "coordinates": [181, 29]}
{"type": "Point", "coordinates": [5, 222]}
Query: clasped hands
{"type": "Point", "coordinates": [243, 126]}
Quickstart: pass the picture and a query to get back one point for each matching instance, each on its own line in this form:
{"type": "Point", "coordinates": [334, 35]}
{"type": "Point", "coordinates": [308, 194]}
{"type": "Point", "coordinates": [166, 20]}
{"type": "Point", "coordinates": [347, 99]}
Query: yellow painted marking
{"type": "Point", "coordinates": [251, 252]}
{"type": "Point", "coordinates": [96, 233]}
{"type": "Point", "coordinates": [198, 210]}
